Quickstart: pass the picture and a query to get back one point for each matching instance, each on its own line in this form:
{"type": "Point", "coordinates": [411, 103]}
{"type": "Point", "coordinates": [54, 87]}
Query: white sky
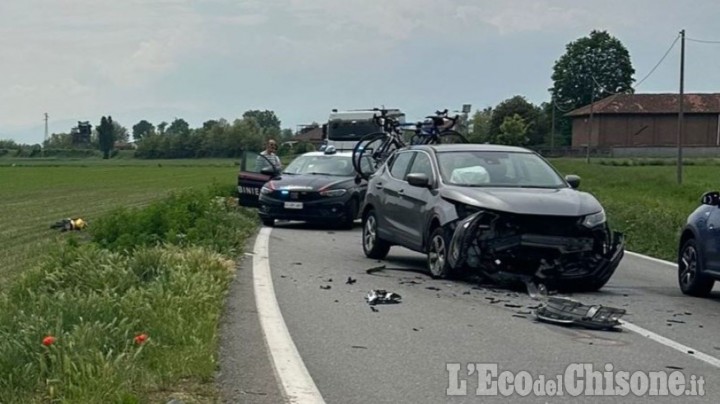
{"type": "Point", "coordinates": [207, 59]}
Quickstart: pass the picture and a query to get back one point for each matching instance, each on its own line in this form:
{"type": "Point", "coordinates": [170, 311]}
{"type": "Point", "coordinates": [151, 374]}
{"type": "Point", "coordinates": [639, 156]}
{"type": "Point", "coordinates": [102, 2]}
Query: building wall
{"type": "Point", "coordinates": [644, 130]}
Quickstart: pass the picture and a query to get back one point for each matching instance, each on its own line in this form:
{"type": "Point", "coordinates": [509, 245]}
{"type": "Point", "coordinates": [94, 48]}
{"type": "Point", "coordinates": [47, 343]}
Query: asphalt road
{"type": "Point", "coordinates": [401, 352]}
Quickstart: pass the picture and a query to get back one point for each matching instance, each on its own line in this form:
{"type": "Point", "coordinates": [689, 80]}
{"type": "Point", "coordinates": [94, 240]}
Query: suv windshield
{"type": "Point", "coordinates": [497, 169]}
{"type": "Point", "coordinates": [350, 130]}
{"type": "Point", "coordinates": [326, 165]}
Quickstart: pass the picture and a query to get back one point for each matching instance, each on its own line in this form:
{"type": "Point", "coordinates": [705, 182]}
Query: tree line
{"type": "Point", "coordinates": [592, 67]}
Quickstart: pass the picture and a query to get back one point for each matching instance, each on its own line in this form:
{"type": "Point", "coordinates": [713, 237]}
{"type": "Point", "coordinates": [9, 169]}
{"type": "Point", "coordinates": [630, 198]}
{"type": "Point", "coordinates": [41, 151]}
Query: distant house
{"type": "Point", "coordinates": [648, 120]}
{"type": "Point", "coordinates": [313, 135]}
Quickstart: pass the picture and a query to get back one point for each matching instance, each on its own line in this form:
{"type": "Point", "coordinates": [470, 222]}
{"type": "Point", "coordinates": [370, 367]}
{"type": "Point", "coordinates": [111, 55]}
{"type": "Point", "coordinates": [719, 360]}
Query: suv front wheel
{"type": "Point", "coordinates": [437, 254]}
{"type": "Point", "coordinates": [373, 245]}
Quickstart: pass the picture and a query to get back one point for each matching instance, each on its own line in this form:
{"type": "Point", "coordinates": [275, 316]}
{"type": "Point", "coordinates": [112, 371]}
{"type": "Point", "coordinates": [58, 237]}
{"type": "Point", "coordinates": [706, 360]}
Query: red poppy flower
{"type": "Point", "coordinates": [49, 340]}
{"type": "Point", "coordinates": [140, 339]}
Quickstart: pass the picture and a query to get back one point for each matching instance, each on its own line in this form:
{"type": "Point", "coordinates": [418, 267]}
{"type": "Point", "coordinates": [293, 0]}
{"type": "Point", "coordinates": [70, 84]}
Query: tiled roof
{"type": "Point", "coordinates": [652, 104]}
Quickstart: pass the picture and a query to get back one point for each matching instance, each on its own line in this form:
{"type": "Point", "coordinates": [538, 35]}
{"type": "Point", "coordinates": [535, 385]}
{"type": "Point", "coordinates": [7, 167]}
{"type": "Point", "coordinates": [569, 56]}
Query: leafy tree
{"type": "Point", "coordinates": [266, 120]}
{"type": "Point", "coordinates": [286, 135]}
{"type": "Point", "coordinates": [178, 127]}
{"type": "Point", "coordinates": [59, 141]}
{"type": "Point", "coordinates": [106, 136]}
{"type": "Point", "coordinates": [594, 66]}
{"type": "Point", "coordinates": [517, 105]}
{"type": "Point", "coordinates": [121, 133]}
{"type": "Point", "coordinates": [161, 127]}
{"type": "Point", "coordinates": [513, 131]}
{"type": "Point", "coordinates": [481, 126]}
{"type": "Point", "coordinates": [142, 129]}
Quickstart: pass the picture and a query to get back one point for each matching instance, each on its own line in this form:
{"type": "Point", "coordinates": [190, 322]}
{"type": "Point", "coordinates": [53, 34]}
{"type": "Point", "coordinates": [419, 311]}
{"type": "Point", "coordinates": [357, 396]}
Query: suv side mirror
{"type": "Point", "coordinates": [573, 180]}
{"type": "Point", "coordinates": [710, 198]}
{"type": "Point", "coordinates": [418, 180]}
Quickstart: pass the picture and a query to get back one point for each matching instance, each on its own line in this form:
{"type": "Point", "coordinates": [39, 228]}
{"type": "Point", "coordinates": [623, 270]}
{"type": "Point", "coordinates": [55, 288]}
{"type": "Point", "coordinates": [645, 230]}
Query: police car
{"type": "Point", "coordinates": [319, 186]}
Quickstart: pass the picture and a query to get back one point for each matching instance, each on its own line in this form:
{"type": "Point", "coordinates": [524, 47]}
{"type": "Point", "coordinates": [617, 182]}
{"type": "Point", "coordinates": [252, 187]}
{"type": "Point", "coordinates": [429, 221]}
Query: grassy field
{"type": "Point", "coordinates": [645, 201]}
{"type": "Point", "coordinates": [36, 193]}
{"type": "Point", "coordinates": [126, 311]}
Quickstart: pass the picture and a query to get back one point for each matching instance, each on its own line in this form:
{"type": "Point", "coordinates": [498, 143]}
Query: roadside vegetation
{"type": "Point", "coordinates": [34, 197]}
{"type": "Point", "coordinates": [128, 310]}
{"type": "Point", "coordinates": [644, 200]}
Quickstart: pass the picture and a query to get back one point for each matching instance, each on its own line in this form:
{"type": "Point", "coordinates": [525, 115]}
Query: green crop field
{"type": "Point", "coordinates": [36, 193]}
{"type": "Point", "coordinates": [645, 201]}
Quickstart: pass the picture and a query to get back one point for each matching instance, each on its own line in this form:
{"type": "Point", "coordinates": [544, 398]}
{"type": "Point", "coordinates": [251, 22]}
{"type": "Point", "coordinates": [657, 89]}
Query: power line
{"type": "Point", "coordinates": [658, 63]}
{"type": "Point", "coordinates": [701, 40]}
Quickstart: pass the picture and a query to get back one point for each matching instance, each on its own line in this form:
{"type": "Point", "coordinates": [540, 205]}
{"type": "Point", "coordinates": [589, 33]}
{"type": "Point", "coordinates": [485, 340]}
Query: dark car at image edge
{"type": "Point", "coordinates": [503, 211]}
{"type": "Point", "coordinates": [699, 248]}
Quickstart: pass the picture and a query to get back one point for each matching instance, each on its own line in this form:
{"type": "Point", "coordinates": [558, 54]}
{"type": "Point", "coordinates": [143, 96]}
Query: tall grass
{"type": "Point", "coordinates": [135, 276]}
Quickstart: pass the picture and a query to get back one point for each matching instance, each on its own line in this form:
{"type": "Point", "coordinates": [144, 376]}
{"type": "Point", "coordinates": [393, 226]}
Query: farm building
{"type": "Point", "coordinates": [648, 120]}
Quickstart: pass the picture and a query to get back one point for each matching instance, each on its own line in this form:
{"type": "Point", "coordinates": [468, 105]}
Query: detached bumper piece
{"type": "Point", "coordinates": [568, 312]}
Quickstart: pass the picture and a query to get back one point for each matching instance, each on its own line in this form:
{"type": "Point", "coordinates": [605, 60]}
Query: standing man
{"type": "Point", "coordinates": [268, 155]}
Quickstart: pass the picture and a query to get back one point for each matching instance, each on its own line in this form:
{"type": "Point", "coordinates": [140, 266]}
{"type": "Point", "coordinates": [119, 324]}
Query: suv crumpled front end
{"type": "Point", "coordinates": [561, 251]}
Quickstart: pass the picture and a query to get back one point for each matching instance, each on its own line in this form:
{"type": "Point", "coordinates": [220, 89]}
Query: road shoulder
{"type": "Point", "coordinates": [245, 371]}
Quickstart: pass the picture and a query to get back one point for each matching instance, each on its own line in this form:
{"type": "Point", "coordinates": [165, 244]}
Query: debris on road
{"type": "Point", "coordinates": [359, 347]}
{"type": "Point", "coordinates": [375, 269]}
{"type": "Point", "coordinates": [381, 296]}
{"type": "Point", "coordinates": [325, 287]}
{"type": "Point", "coordinates": [675, 321]}
{"type": "Point", "coordinates": [297, 263]}
{"type": "Point", "coordinates": [494, 300]}
{"type": "Point", "coordinates": [565, 311]}
{"type": "Point", "coordinates": [411, 282]}
{"type": "Point", "coordinates": [432, 288]}
{"type": "Point", "coordinates": [350, 281]}
{"type": "Point", "coordinates": [374, 309]}
{"type": "Point", "coordinates": [538, 291]}
{"type": "Point", "coordinates": [514, 306]}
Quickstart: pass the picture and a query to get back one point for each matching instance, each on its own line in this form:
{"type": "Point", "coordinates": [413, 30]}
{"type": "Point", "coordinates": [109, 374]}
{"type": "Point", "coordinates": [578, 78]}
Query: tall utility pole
{"type": "Point", "coordinates": [682, 106]}
{"type": "Point", "coordinates": [46, 135]}
{"type": "Point", "coordinates": [589, 132]}
{"type": "Point", "coordinates": [552, 129]}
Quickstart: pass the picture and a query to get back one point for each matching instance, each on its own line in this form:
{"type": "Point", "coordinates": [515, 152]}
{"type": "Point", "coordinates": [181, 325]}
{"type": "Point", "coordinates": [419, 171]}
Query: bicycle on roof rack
{"type": "Point", "coordinates": [437, 129]}
{"type": "Point", "coordinates": [381, 145]}
{"type": "Point", "coordinates": [378, 145]}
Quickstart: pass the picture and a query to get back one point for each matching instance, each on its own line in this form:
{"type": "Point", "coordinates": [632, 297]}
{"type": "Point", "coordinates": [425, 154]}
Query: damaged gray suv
{"type": "Point", "coordinates": [500, 210]}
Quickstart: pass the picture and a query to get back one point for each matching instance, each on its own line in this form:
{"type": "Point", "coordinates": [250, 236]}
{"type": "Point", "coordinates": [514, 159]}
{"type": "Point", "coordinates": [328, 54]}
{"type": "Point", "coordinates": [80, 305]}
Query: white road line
{"type": "Point", "coordinates": [296, 382]}
{"type": "Point", "coordinates": [659, 338]}
{"type": "Point", "coordinates": [655, 260]}
{"type": "Point", "coordinates": [672, 344]}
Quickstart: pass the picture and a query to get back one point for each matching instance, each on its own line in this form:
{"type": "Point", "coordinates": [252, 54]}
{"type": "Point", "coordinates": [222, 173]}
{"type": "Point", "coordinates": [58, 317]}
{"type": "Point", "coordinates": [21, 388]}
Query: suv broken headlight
{"type": "Point", "coordinates": [595, 219]}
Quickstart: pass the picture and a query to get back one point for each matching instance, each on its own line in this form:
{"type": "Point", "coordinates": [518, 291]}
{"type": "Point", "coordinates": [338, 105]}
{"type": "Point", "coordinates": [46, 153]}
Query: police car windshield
{"type": "Point", "coordinates": [322, 165]}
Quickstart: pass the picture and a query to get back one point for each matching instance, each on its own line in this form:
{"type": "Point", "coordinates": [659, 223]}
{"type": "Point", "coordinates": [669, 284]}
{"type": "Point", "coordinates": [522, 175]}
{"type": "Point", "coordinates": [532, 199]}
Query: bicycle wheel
{"type": "Point", "coordinates": [378, 150]}
{"type": "Point", "coordinates": [451, 136]}
{"type": "Point", "coordinates": [362, 145]}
